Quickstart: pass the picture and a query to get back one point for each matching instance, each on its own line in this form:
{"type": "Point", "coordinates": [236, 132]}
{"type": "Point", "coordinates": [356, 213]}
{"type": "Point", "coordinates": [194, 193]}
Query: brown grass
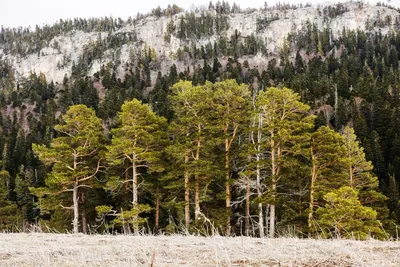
{"type": "Point", "coordinates": [106, 250]}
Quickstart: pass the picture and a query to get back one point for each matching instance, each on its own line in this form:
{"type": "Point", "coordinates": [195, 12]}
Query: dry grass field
{"type": "Point", "coordinates": [107, 250]}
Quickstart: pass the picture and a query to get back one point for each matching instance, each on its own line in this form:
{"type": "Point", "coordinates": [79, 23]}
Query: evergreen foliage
{"type": "Point", "coordinates": [137, 143]}
{"type": "Point", "coordinates": [344, 216]}
{"type": "Point", "coordinates": [10, 216]}
{"type": "Point", "coordinates": [74, 159]}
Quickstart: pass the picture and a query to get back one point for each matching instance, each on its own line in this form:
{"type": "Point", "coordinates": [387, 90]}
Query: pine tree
{"type": "Point", "coordinates": [250, 177]}
{"type": "Point", "coordinates": [193, 109]}
{"type": "Point", "coordinates": [344, 216]}
{"type": "Point", "coordinates": [74, 157]}
{"type": "Point", "coordinates": [360, 175]}
{"type": "Point", "coordinates": [328, 169]}
{"type": "Point", "coordinates": [136, 145]}
{"type": "Point", "coordinates": [286, 120]}
{"type": "Point", "coordinates": [231, 102]}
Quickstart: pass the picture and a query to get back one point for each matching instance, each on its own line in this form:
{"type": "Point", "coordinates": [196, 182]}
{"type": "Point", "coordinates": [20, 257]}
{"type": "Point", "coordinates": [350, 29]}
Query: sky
{"type": "Point", "coordinates": [16, 13]}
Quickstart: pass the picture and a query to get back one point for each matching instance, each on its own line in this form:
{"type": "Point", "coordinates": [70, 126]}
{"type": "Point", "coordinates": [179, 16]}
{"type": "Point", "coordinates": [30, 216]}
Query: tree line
{"type": "Point", "coordinates": [231, 159]}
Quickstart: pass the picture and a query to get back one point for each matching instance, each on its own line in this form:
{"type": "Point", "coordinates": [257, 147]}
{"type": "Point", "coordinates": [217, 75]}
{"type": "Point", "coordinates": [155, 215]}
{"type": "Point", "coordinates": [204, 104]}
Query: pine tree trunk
{"type": "Point", "coordinates": [258, 178]}
{"type": "Point", "coordinates": [266, 231]}
{"type": "Point", "coordinates": [272, 221]}
{"type": "Point", "coordinates": [134, 193]}
{"type": "Point", "coordinates": [75, 221]}
{"type": "Point", "coordinates": [197, 182]}
{"type": "Point", "coordinates": [227, 191]}
{"type": "Point", "coordinates": [300, 207]}
{"type": "Point", "coordinates": [187, 195]}
{"type": "Point", "coordinates": [228, 144]}
{"type": "Point", "coordinates": [260, 220]}
{"type": "Point", "coordinates": [273, 186]}
{"type": "Point", "coordinates": [351, 176]}
{"type": "Point", "coordinates": [197, 198]}
{"type": "Point", "coordinates": [83, 213]}
{"type": "Point", "coordinates": [134, 183]}
{"type": "Point", "coordinates": [247, 212]}
{"type": "Point", "coordinates": [259, 194]}
{"type": "Point", "coordinates": [157, 219]}
{"type": "Point", "coordinates": [312, 188]}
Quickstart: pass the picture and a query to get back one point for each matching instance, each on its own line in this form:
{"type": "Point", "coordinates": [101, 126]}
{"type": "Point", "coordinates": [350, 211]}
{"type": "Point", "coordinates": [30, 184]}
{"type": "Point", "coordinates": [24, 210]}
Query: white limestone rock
{"type": "Point", "coordinates": [150, 31]}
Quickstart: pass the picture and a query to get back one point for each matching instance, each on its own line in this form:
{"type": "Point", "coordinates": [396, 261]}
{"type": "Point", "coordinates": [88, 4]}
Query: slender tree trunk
{"type": "Point", "coordinates": [272, 221]}
{"type": "Point", "coordinates": [187, 195]}
{"type": "Point", "coordinates": [84, 221]}
{"type": "Point", "coordinates": [259, 189]}
{"type": "Point", "coordinates": [351, 175]}
{"type": "Point", "coordinates": [157, 219]}
{"type": "Point", "coordinates": [248, 191]}
{"type": "Point", "coordinates": [266, 231]}
{"type": "Point", "coordinates": [258, 174]}
{"type": "Point", "coordinates": [134, 182]}
{"type": "Point", "coordinates": [300, 207]}
{"type": "Point", "coordinates": [83, 213]}
{"type": "Point", "coordinates": [75, 197]}
{"type": "Point", "coordinates": [259, 194]}
{"type": "Point", "coordinates": [227, 190]}
{"type": "Point", "coordinates": [247, 212]}
{"type": "Point", "coordinates": [228, 145]}
{"type": "Point", "coordinates": [197, 181]}
{"type": "Point", "coordinates": [197, 198]}
{"type": "Point", "coordinates": [134, 193]}
{"type": "Point", "coordinates": [312, 188]}
{"type": "Point", "coordinates": [300, 211]}
{"type": "Point", "coordinates": [260, 220]}
{"type": "Point", "coordinates": [273, 187]}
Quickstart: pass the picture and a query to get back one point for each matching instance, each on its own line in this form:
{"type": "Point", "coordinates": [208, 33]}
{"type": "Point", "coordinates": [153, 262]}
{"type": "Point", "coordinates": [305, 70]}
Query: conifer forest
{"type": "Point", "coordinates": [222, 135]}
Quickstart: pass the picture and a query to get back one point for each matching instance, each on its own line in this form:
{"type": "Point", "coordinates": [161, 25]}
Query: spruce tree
{"type": "Point", "coordinates": [10, 217]}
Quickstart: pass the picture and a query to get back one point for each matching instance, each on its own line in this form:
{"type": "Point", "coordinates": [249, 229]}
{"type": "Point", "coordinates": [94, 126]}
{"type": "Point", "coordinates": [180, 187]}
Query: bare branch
{"type": "Point", "coordinates": [91, 176]}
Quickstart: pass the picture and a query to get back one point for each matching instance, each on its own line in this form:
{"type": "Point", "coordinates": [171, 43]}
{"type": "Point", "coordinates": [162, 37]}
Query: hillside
{"type": "Point", "coordinates": [55, 56]}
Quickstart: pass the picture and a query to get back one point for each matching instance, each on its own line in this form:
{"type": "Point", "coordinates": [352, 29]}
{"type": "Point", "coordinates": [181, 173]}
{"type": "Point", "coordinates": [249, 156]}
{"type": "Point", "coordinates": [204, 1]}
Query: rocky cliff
{"type": "Point", "coordinates": [272, 26]}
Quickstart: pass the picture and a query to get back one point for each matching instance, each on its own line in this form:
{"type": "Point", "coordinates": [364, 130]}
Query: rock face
{"type": "Point", "coordinates": [56, 60]}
